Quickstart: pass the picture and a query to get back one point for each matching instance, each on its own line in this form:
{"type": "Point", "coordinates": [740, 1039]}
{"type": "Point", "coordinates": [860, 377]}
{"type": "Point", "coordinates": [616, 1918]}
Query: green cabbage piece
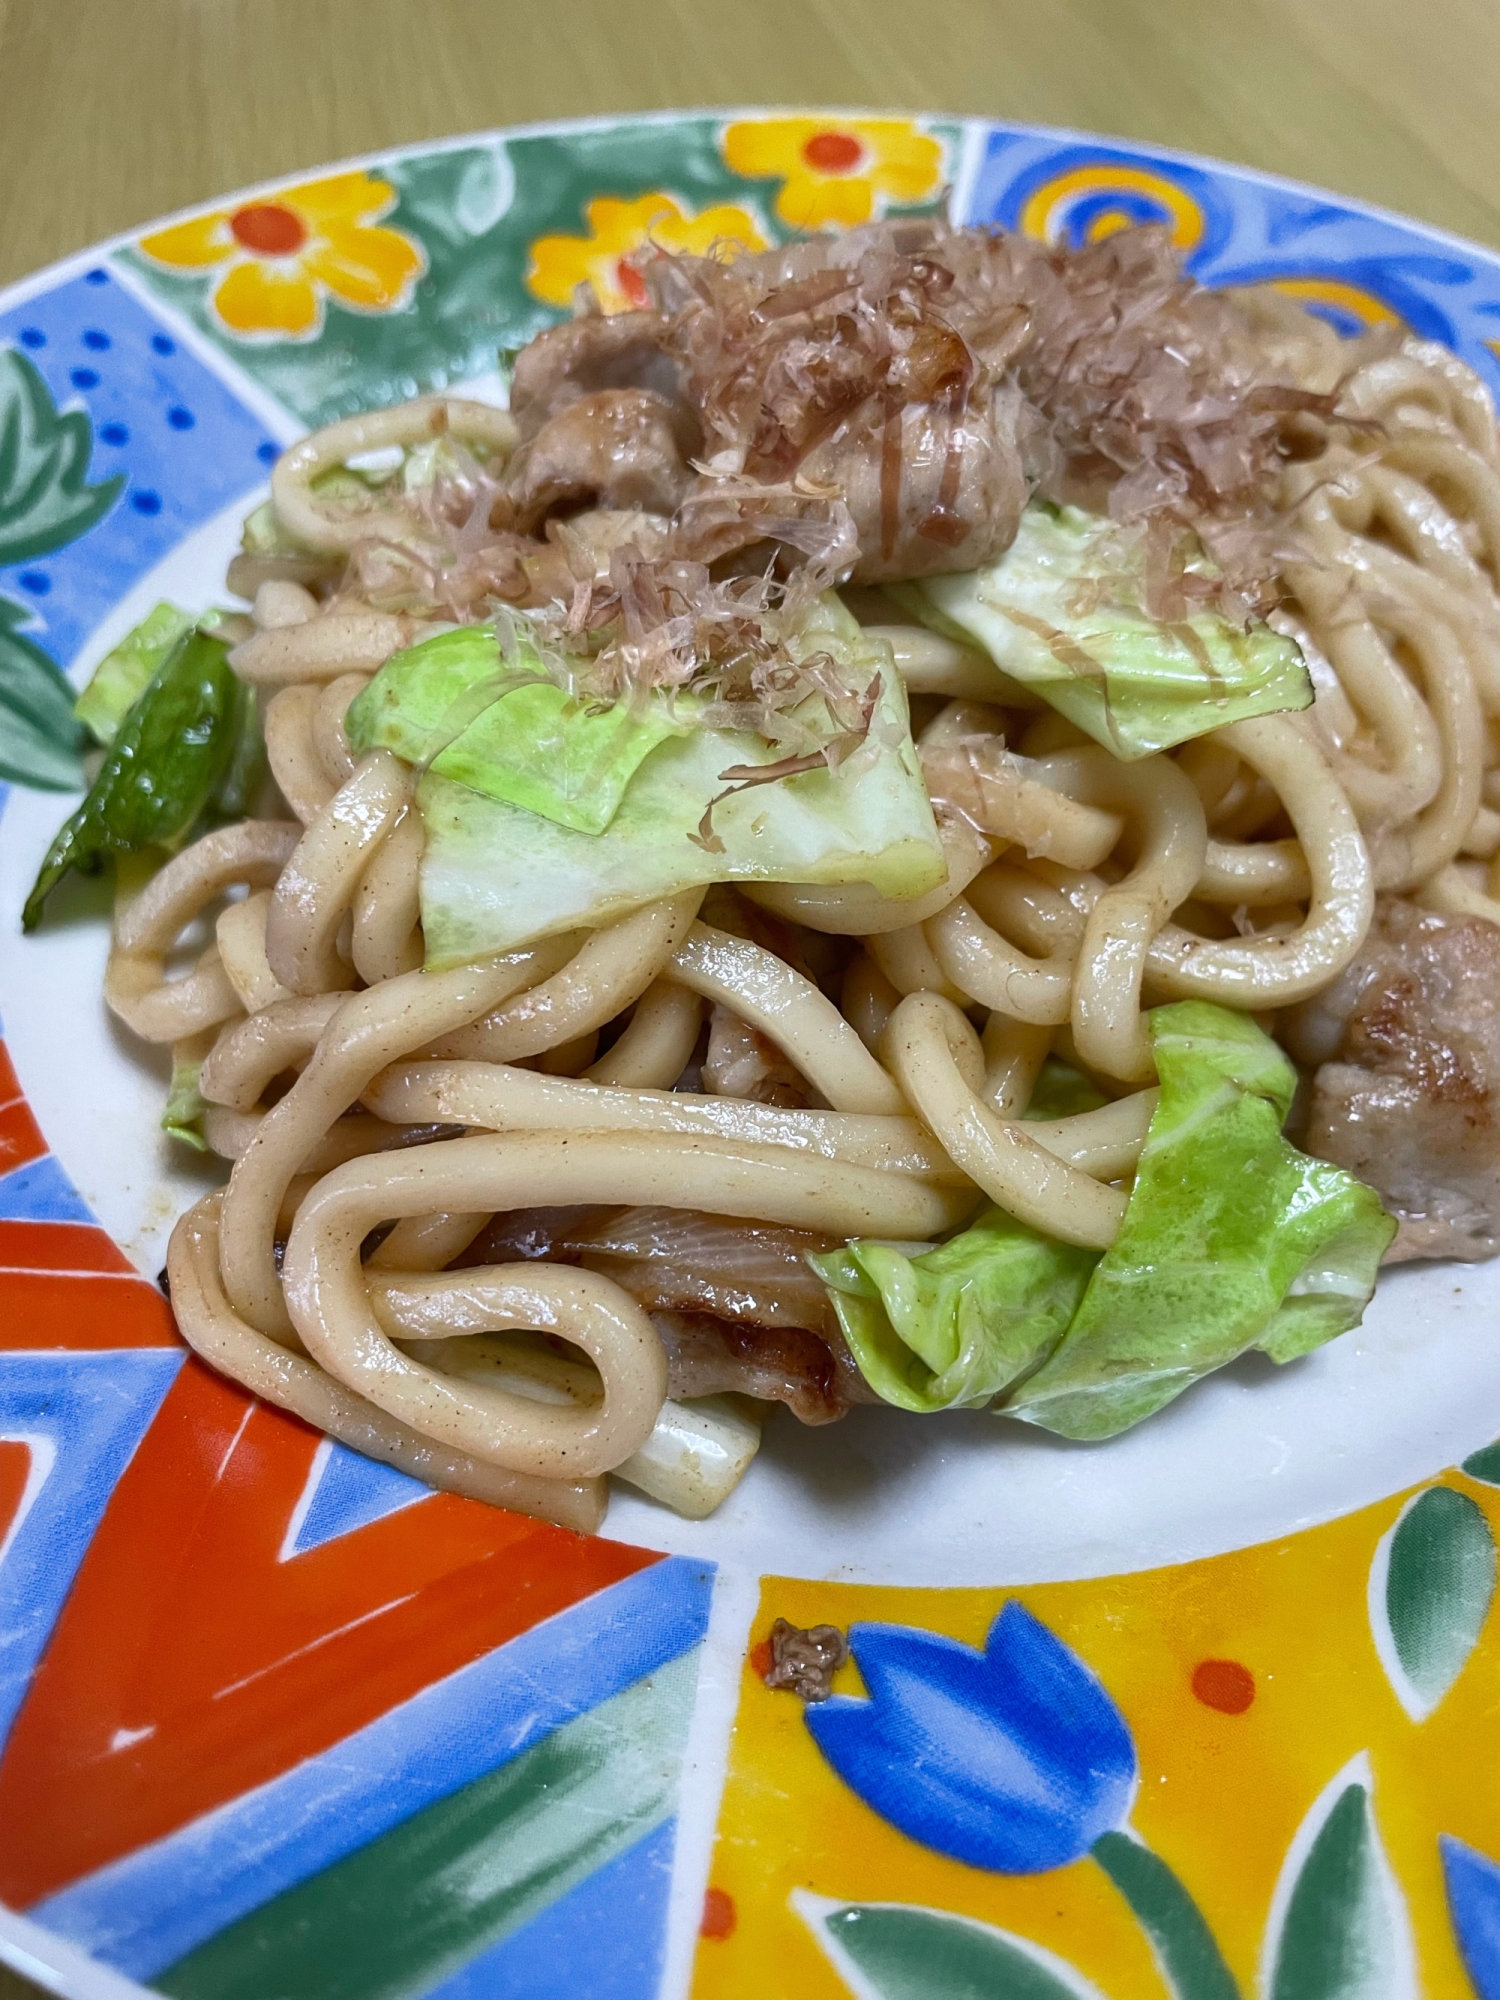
{"type": "Point", "coordinates": [182, 1114]}
{"type": "Point", "coordinates": [1232, 1239]}
{"type": "Point", "coordinates": [496, 874]}
{"type": "Point", "coordinates": [454, 706]}
{"type": "Point", "coordinates": [1062, 612]}
{"type": "Point", "coordinates": [123, 675]}
{"type": "Point", "coordinates": [954, 1327]}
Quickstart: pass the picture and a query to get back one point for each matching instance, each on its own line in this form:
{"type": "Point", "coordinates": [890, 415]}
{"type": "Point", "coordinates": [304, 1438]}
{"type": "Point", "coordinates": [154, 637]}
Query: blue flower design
{"type": "Point", "coordinates": [1013, 1759]}
{"type": "Point", "coordinates": [1473, 1884]}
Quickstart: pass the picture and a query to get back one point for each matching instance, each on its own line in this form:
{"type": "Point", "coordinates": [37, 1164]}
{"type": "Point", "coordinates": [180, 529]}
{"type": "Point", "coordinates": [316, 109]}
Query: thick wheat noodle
{"type": "Point", "coordinates": [1001, 798]}
{"type": "Point", "coordinates": [386, 939]}
{"type": "Point", "coordinates": [803, 1022]}
{"type": "Point", "coordinates": [506, 1171]}
{"type": "Point", "coordinates": [1343, 625]}
{"type": "Point", "coordinates": [939, 1062]}
{"type": "Point", "coordinates": [1434, 379]}
{"type": "Point", "coordinates": [988, 968]}
{"type": "Point", "coordinates": [1253, 873]}
{"type": "Point", "coordinates": [165, 1010]}
{"type": "Point", "coordinates": [547, 1440]}
{"type": "Point", "coordinates": [248, 1054]}
{"type": "Point", "coordinates": [1452, 892]}
{"type": "Point", "coordinates": [1430, 536]}
{"type": "Point", "coordinates": [278, 603]}
{"type": "Point", "coordinates": [1255, 973]}
{"type": "Point", "coordinates": [1160, 802]}
{"type": "Point", "coordinates": [1425, 457]}
{"type": "Point", "coordinates": [569, 1059]}
{"type": "Point", "coordinates": [240, 934]}
{"type": "Point", "coordinates": [147, 926]}
{"type": "Point", "coordinates": [1474, 614]}
{"type": "Point", "coordinates": [276, 1375]}
{"type": "Point", "coordinates": [1013, 1052]}
{"type": "Point", "coordinates": [1405, 856]}
{"type": "Point", "coordinates": [500, 1099]}
{"type": "Point", "coordinates": [329, 734]}
{"type": "Point", "coordinates": [612, 969]}
{"type": "Point", "coordinates": [229, 1134]}
{"type": "Point", "coordinates": [369, 1031]}
{"type": "Point", "coordinates": [1105, 1144]}
{"type": "Point", "coordinates": [657, 1042]}
{"type": "Point", "coordinates": [867, 999]}
{"type": "Point", "coordinates": [292, 753]}
{"type": "Point", "coordinates": [406, 424]}
{"type": "Point", "coordinates": [327, 647]}
{"type": "Point", "coordinates": [1482, 841]}
{"type": "Point", "coordinates": [909, 964]}
{"type": "Point", "coordinates": [857, 910]}
{"type": "Point", "coordinates": [932, 663]}
{"type": "Point", "coordinates": [427, 1242]}
{"type": "Point", "coordinates": [1406, 738]}
{"type": "Point", "coordinates": [316, 889]}
{"type": "Point", "coordinates": [1015, 898]}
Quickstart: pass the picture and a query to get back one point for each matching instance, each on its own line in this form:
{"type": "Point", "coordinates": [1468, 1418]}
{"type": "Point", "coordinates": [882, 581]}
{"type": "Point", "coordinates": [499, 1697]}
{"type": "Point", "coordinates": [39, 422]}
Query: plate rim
{"type": "Point", "coordinates": [30, 1949]}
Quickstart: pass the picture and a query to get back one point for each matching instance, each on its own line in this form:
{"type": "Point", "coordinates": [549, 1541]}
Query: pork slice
{"type": "Point", "coordinates": [616, 449]}
{"type": "Point", "coordinates": [1408, 1042]}
{"type": "Point", "coordinates": [814, 1375]}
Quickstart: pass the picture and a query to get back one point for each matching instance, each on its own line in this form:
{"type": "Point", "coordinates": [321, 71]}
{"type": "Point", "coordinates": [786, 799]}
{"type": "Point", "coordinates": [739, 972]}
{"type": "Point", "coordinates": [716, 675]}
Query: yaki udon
{"type": "Point", "coordinates": [917, 822]}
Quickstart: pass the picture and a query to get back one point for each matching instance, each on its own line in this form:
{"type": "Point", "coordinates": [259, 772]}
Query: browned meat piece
{"type": "Point", "coordinates": [932, 378]}
{"type": "Point", "coordinates": [614, 449]}
{"type": "Point", "coordinates": [805, 1659]}
{"type": "Point", "coordinates": [623, 351]}
{"type": "Point", "coordinates": [815, 1377]}
{"type": "Point", "coordinates": [1406, 1097]}
{"type": "Point", "coordinates": [742, 1062]}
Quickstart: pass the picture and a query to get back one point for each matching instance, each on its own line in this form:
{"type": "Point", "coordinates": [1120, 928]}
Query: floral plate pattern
{"type": "Point", "coordinates": [276, 1721]}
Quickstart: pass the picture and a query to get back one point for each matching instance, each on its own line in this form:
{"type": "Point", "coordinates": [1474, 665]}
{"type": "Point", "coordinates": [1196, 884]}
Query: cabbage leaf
{"type": "Point", "coordinates": [1232, 1239]}
{"type": "Point", "coordinates": [956, 1326]}
{"type": "Point", "coordinates": [502, 863]}
{"type": "Point", "coordinates": [452, 705]}
{"type": "Point", "coordinates": [1062, 612]}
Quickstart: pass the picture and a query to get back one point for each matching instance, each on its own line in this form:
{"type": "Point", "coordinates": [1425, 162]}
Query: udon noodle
{"type": "Point", "coordinates": [382, 1119]}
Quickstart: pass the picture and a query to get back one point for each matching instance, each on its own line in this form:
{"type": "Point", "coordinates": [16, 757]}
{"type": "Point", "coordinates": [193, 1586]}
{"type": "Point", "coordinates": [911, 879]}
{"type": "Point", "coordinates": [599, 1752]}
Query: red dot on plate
{"type": "Point", "coordinates": [719, 1915]}
{"type": "Point", "coordinates": [762, 1659]}
{"type": "Point", "coordinates": [833, 152]}
{"type": "Point", "coordinates": [269, 228]}
{"type": "Point", "coordinates": [1224, 1685]}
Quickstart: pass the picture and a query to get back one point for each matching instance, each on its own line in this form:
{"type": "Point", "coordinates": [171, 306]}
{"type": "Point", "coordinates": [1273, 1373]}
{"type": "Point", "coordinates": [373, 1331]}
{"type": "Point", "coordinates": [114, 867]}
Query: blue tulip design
{"type": "Point", "coordinates": [1013, 1759]}
{"type": "Point", "coordinates": [1473, 1884]}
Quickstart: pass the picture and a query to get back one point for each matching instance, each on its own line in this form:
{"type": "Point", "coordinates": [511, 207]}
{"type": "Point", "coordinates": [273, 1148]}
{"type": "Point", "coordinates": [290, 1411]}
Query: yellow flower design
{"type": "Point", "coordinates": [836, 173]}
{"type": "Point", "coordinates": [284, 253]}
{"type": "Point", "coordinates": [559, 264]}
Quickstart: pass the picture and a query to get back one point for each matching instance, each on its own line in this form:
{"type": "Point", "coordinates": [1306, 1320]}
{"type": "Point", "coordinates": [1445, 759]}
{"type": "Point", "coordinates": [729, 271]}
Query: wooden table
{"type": "Point", "coordinates": [115, 111]}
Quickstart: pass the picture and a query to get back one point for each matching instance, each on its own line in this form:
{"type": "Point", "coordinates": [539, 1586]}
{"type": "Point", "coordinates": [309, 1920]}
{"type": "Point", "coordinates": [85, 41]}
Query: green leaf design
{"type": "Point", "coordinates": [1190, 1959]}
{"type": "Point", "coordinates": [1338, 1928]}
{"type": "Point", "coordinates": [1484, 1465]}
{"type": "Point", "coordinates": [897, 1951]}
{"type": "Point", "coordinates": [477, 210]}
{"type": "Point", "coordinates": [40, 737]}
{"type": "Point", "coordinates": [1431, 1586]}
{"type": "Point", "coordinates": [45, 497]}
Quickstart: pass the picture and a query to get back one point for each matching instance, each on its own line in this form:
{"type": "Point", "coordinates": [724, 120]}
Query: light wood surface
{"type": "Point", "coordinates": [115, 111]}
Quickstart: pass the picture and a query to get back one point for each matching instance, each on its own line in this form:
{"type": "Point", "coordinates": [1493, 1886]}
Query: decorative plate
{"type": "Point", "coordinates": [1208, 1712]}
